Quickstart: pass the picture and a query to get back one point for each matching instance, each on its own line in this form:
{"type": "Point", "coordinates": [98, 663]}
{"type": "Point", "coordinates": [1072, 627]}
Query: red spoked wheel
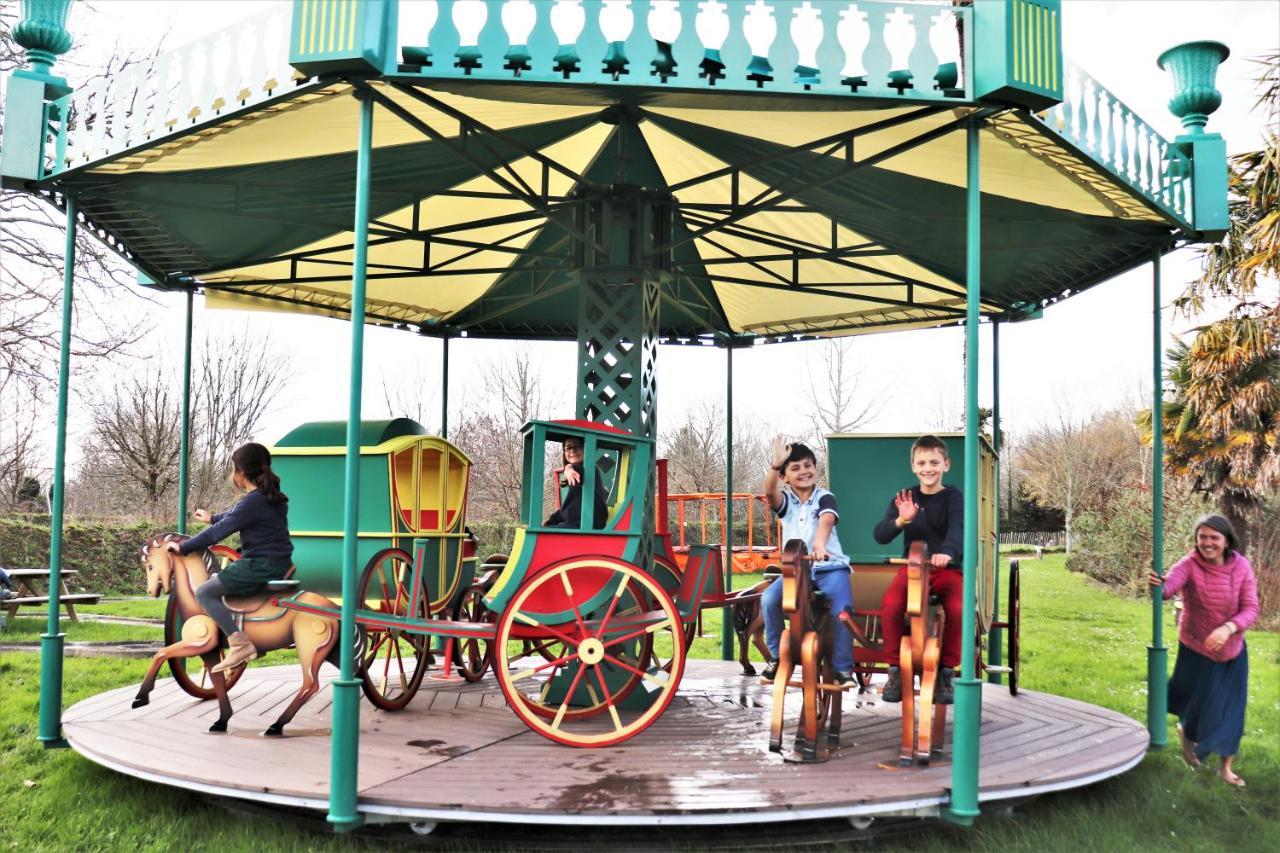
{"type": "Point", "coordinates": [190, 673]}
{"type": "Point", "coordinates": [474, 655]}
{"type": "Point", "coordinates": [1015, 622]}
{"type": "Point", "coordinates": [394, 660]}
{"type": "Point", "coordinates": [633, 640]}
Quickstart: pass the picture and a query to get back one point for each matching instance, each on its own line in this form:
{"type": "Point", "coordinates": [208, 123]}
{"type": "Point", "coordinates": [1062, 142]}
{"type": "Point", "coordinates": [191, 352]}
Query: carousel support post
{"type": "Point", "coordinates": [184, 451]}
{"type": "Point", "coordinates": [444, 388]}
{"type": "Point", "coordinates": [344, 746]}
{"type": "Point", "coordinates": [1157, 654]}
{"type": "Point", "coordinates": [996, 639]}
{"type": "Point", "coordinates": [968, 688]}
{"type": "Point", "coordinates": [726, 614]}
{"type": "Point", "coordinates": [49, 730]}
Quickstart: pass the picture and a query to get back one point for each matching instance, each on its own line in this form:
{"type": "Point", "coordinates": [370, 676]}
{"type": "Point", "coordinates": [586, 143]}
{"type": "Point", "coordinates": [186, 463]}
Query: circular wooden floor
{"type": "Point", "coordinates": [458, 754]}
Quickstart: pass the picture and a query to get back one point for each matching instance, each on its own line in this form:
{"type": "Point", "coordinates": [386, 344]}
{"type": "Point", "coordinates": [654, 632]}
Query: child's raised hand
{"type": "Point", "coordinates": [779, 451]}
{"type": "Point", "coordinates": [907, 507]}
{"type": "Point", "coordinates": [202, 515]}
{"type": "Point", "coordinates": [571, 476]}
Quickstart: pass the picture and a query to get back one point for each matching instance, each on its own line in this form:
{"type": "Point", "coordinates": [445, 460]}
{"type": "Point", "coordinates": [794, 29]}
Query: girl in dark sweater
{"type": "Point", "coordinates": [261, 518]}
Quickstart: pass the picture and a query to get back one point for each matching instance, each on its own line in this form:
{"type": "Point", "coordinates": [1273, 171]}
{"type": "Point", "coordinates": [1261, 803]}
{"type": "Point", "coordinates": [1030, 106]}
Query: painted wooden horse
{"type": "Point", "coordinates": [269, 625]}
{"type": "Point", "coordinates": [806, 641]}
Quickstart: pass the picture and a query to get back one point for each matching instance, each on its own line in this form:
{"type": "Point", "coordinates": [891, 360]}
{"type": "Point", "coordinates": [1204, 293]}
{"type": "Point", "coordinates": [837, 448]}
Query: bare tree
{"type": "Point", "coordinates": [490, 434]}
{"type": "Point", "coordinates": [31, 240]}
{"type": "Point", "coordinates": [135, 435]}
{"type": "Point", "coordinates": [1075, 463]}
{"type": "Point", "coordinates": [695, 452]}
{"type": "Point", "coordinates": [839, 399]}
{"type": "Point", "coordinates": [21, 453]}
{"type": "Point", "coordinates": [237, 380]}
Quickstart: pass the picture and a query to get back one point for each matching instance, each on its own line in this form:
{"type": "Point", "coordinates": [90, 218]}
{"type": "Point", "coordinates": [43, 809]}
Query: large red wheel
{"type": "Point", "coordinates": [190, 673]}
{"type": "Point", "coordinates": [394, 660]}
{"type": "Point", "coordinates": [645, 646]}
{"type": "Point", "coordinates": [1014, 644]}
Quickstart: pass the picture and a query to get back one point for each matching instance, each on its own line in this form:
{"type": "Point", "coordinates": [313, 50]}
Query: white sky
{"type": "Point", "coordinates": [1088, 353]}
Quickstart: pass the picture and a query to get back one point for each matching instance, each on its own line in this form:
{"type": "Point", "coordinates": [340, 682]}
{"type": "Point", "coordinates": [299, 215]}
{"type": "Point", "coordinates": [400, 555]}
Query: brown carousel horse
{"type": "Point", "coordinates": [269, 625]}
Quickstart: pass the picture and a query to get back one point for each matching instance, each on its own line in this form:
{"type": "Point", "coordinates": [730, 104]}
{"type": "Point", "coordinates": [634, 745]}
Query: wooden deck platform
{"type": "Point", "coordinates": [458, 754]}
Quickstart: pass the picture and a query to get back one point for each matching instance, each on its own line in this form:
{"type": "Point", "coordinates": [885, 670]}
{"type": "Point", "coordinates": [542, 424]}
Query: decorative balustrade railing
{"type": "Point", "coordinates": [1099, 124]}
{"type": "Point", "coordinates": [236, 67]}
{"type": "Point", "coordinates": [893, 50]}
{"type": "Point", "coordinates": [899, 50]}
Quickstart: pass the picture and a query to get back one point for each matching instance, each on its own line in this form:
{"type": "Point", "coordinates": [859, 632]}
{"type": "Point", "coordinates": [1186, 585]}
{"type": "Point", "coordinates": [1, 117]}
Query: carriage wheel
{"type": "Point", "coordinates": [190, 673]}
{"type": "Point", "coordinates": [649, 646]}
{"type": "Point", "coordinates": [394, 660]}
{"type": "Point", "coordinates": [1015, 621]}
{"type": "Point", "coordinates": [474, 654]}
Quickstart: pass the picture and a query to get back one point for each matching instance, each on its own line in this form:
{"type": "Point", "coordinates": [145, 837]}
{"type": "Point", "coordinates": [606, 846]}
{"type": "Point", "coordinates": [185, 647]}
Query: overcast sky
{"type": "Point", "coordinates": [1088, 353]}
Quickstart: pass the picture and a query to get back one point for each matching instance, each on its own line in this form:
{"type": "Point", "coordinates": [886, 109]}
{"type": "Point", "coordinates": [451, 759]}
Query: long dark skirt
{"type": "Point", "coordinates": [1209, 698]}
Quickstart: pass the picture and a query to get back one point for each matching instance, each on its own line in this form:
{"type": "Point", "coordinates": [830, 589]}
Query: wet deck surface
{"type": "Point", "coordinates": [458, 753]}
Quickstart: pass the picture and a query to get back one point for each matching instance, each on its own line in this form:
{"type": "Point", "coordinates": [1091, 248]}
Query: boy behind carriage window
{"type": "Point", "coordinates": [808, 512]}
{"type": "Point", "coordinates": [932, 513]}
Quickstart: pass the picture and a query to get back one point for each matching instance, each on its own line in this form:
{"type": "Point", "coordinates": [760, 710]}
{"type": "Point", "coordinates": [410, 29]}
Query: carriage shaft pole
{"type": "Point", "coordinates": [184, 450]}
{"type": "Point", "coordinates": [49, 728]}
{"type": "Point", "coordinates": [968, 689]}
{"type": "Point", "coordinates": [1157, 654]}
{"type": "Point", "coordinates": [344, 745]}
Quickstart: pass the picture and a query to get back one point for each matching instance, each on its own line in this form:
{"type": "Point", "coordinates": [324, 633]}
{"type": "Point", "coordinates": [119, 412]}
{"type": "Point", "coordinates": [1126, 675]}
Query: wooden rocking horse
{"type": "Point", "coordinates": [923, 721]}
{"type": "Point", "coordinates": [268, 624]}
{"type": "Point", "coordinates": [807, 640]}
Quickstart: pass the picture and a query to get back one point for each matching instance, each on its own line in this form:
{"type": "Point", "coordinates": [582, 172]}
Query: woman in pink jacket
{"type": "Point", "coordinates": [1210, 684]}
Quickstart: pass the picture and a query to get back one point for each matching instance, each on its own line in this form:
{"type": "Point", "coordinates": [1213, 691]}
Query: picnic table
{"type": "Point", "coordinates": [25, 583]}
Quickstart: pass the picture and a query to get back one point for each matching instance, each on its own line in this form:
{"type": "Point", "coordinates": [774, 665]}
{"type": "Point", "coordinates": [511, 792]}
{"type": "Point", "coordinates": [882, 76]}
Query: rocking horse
{"type": "Point", "coordinates": [807, 641]}
{"type": "Point", "coordinates": [267, 623]}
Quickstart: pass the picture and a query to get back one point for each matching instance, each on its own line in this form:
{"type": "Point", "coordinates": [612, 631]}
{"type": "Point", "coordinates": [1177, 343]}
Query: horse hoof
{"type": "Point", "coordinates": [219, 727]}
{"type": "Point", "coordinates": [276, 730]}
{"type": "Point", "coordinates": [140, 701]}
{"type": "Point", "coordinates": [748, 670]}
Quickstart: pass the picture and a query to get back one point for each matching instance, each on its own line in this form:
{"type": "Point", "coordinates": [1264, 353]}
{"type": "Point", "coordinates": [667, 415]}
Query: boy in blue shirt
{"type": "Point", "coordinates": [808, 512]}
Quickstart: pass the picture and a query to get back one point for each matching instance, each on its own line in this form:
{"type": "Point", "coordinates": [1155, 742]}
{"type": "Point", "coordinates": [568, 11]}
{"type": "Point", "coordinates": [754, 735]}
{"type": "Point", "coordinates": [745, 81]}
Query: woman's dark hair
{"type": "Point", "coordinates": [1219, 523]}
{"type": "Point", "coordinates": [253, 461]}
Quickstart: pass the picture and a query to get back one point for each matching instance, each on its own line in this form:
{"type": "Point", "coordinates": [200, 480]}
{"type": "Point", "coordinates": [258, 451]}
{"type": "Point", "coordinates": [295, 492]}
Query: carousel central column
{"type": "Point", "coordinates": [618, 315]}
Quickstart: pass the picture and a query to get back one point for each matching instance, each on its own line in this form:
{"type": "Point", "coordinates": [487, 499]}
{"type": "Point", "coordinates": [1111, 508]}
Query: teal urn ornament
{"type": "Point", "coordinates": [1194, 68]}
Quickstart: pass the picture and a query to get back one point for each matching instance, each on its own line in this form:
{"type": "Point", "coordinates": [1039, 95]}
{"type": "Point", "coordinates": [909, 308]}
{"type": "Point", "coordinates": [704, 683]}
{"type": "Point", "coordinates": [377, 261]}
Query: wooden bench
{"type": "Point", "coordinates": [24, 584]}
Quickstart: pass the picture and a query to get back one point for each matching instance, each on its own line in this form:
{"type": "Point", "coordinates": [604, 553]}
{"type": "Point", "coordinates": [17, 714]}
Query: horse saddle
{"type": "Point", "coordinates": [252, 603]}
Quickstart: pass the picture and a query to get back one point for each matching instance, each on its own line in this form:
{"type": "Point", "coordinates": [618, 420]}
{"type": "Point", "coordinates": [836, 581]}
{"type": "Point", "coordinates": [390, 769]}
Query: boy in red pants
{"type": "Point", "coordinates": [934, 514]}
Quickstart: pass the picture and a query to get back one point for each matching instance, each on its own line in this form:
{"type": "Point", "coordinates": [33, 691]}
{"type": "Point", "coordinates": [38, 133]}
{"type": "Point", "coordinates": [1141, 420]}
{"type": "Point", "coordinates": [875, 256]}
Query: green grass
{"type": "Point", "coordinates": [27, 629]}
{"type": "Point", "coordinates": [1078, 640]}
{"type": "Point", "coordinates": [134, 608]}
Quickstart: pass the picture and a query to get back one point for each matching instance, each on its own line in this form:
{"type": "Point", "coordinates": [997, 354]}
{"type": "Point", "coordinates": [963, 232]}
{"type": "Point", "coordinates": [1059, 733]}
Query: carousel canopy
{"type": "Point", "coordinates": [782, 213]}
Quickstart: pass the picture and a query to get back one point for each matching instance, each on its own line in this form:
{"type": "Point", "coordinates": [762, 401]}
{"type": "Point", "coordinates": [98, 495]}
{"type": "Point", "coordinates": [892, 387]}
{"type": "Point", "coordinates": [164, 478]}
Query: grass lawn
{"type": "Point", "coordinates": [1078, 641]}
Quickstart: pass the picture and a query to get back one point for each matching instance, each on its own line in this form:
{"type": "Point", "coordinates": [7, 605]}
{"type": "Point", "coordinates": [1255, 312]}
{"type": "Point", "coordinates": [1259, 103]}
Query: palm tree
{"type": "Point", "coordinates": [1221, 420]}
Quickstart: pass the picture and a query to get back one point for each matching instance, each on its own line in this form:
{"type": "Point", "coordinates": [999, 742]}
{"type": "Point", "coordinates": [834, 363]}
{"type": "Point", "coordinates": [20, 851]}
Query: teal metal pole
{"type": "Point", "coordinates": [1157, 654]}
{"type": "Point", "coordinates": [344, 748]}
{"type": "Point", "coordinates": [184, 452]}
{"type": "Point", "coordinates": [49, 728]}
{"type": "Point", "coordinates": [968, 688]}
{"type": "Point", "coordinates": [996, 639]}
{"type": "Point", "coordinates": [726, 614]}
{"type": "Point", "coordinates": [444, 391]}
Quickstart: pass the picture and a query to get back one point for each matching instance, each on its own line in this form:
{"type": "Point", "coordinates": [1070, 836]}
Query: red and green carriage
{"type": "Point", "coordinates": [587, 627]}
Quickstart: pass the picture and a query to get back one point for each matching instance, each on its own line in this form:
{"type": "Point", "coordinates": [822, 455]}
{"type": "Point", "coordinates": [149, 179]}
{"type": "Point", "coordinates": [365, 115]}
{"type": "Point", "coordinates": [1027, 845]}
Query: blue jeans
{"type": "Point", "coordinates": [834, 583]}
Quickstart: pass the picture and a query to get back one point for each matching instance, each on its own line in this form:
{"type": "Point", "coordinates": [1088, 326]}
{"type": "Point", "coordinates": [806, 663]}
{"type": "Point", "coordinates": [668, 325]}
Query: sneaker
{"type": "Point", "coordinates": [6, 593]}
{"type": "Point", "coordinates": [770, 671]}
{"type": "Point", "coordinates": [943, 693]}
{"type": "Point", "coordinates": [892, 691]}
{"type": "Point", "coordinates": [842, 679]}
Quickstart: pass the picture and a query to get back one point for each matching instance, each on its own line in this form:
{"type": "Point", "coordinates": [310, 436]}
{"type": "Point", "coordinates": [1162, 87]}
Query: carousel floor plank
{"type": "Point", "coordinates": [457, 753]}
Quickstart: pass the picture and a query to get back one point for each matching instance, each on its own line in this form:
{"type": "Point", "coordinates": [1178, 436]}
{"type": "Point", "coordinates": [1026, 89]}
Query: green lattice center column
{"type": "Point", "coordinates": [618, 315]}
